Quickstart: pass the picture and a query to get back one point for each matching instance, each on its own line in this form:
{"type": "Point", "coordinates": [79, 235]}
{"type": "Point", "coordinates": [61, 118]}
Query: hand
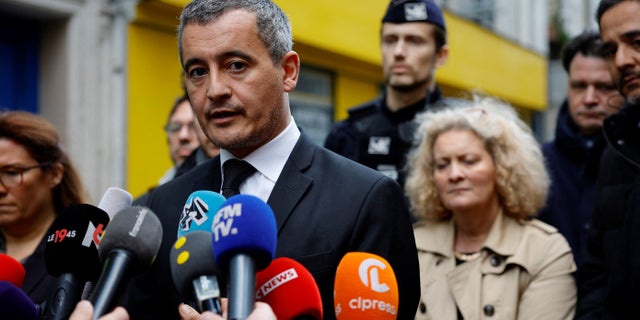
{"type": "Point", "coordinates": [84, 311]}
{"type": "Point", "coordinates": [261, 311]}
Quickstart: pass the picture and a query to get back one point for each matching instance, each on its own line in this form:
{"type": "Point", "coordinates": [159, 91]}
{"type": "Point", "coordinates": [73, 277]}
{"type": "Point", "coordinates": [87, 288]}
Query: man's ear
{"type": "Point", "coordinates": [442, 55]}
{"type": "Point", "coordinates": [291, 65]}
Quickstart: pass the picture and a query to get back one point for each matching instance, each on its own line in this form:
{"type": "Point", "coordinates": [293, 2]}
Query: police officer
{"type": "Point", "coordinates": [379, 133]}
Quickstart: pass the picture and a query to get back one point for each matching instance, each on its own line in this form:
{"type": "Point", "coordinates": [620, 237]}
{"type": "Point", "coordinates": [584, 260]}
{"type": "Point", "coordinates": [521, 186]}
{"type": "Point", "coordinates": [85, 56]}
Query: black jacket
{"type": "Point", "coordinates": [609, 281]}
{"type": "Point", "coordinates": [324, 205]}
{"type": "Point", "coordinates": [572, 160]}
{"type": "Point", "coordinates": [371, 124]}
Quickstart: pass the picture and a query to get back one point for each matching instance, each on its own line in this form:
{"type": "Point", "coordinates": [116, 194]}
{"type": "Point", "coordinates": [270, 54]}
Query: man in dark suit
{"type": "Point", "coordinates": [239, 65]}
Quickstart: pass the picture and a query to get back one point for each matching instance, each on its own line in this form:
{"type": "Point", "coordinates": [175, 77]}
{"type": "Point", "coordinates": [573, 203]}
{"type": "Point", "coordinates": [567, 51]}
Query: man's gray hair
{"type": "Point", "coordinates": [274, 28]}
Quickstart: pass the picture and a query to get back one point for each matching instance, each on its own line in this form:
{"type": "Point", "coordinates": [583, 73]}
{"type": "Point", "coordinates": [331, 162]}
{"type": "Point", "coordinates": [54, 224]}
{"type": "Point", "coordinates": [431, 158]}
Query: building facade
{"type": "Point", "coordinates": [106, 71]}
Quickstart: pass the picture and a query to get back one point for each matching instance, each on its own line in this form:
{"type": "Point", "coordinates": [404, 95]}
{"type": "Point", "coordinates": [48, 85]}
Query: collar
{"type": "Point", "coordinates": [438, 237]}
{"type": "Point", "coordinates": [270, 158]}
{"type": "Point", "coordinates": [505, 235]}
{"type": "Point", "coordinates": [568, 136]}
{"type": "Point", "coordinates": [622, 130]}
{"type": "Point", "coordinates": [408, 113]}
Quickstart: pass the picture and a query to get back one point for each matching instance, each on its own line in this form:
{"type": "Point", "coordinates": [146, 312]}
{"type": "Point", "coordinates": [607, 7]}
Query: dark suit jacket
{"type": "Point", "coordinates": [325, 206]}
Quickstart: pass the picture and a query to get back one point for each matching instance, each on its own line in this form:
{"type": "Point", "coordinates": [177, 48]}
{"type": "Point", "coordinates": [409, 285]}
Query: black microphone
{"type": "Point", "coordinates": [71, 254]}
{"type": "Point", "coordinates": [129, 245]}
{"type": "Point", "coordinates": [194, 271]}
{"type": "Point", "coordinates": [113, 201]}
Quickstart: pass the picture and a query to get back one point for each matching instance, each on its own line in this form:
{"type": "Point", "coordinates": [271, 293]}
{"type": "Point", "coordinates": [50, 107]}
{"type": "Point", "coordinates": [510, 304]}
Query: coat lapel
{"type": "Point", "coordinates": [292, 183]}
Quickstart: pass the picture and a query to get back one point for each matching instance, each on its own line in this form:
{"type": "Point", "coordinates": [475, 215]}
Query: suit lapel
{"type": "Point", "coordinates": [292, 183]}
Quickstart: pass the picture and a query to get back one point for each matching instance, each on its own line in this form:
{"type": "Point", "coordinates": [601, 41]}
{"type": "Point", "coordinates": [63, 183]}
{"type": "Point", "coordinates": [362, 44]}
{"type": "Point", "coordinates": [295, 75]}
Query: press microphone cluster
{"type": "Point", "coordinates": [234, 241]}
{"type": "Point", "coordinates": [240, 234]}
{"type": "Point", "coordinates": [71, 250]}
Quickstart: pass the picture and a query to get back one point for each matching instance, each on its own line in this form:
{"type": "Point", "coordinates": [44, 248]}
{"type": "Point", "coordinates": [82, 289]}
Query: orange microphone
{"type": "Point", "coordinates": [365, 288]}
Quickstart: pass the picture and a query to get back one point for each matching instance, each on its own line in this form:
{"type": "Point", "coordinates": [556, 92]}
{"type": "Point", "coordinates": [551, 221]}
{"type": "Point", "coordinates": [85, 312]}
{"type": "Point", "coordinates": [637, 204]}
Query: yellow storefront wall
{"type": "Point", "coordinates": [154, 84]}
{"type": "Point", "coordinates": [339, 36]}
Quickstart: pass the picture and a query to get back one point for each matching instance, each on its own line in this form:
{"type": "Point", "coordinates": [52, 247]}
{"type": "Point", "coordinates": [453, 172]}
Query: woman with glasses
{"type": "Point", "coordinates": [476, 180]}
{"type": "Point", "coordinates": [37, 181]}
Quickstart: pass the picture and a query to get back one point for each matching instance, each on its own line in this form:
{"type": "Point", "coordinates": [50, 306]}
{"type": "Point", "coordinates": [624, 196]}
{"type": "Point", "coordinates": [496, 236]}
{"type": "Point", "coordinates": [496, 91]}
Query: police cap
{"type": "Point", "coordinates": [400, 11]}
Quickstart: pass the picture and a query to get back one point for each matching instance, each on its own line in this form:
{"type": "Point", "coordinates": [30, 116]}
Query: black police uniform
{"type": "Point", "coordinates": [378, 138]}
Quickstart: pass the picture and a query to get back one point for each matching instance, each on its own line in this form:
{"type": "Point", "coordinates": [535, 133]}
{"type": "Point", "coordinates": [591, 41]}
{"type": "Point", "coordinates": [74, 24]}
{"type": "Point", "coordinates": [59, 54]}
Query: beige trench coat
{"type": "Point", "coordinates": [524, 272]}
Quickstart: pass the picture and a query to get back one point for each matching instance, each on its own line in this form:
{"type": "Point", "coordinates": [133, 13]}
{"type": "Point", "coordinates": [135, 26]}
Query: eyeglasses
{"type": "Point", "coordinates": [176, 127]}
{"type": "Point", "coordinates": [11, 176]}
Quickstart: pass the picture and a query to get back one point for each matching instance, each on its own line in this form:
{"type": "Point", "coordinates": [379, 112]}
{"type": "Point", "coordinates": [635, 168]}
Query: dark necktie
{"type": "Point", "coordinates": [235, 172]}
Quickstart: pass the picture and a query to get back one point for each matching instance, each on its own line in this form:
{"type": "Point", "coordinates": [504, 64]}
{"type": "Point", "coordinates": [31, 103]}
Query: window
{"type": "Point", "coordinates": [312, 103]}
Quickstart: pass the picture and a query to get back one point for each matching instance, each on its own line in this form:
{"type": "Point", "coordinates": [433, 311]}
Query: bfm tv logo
{"type": "Point", "coordinates": [371, 271]}
{"type": "Point", "coordinates": [223, 221]}
{"type": "Point", "coordinates": [93, 235]}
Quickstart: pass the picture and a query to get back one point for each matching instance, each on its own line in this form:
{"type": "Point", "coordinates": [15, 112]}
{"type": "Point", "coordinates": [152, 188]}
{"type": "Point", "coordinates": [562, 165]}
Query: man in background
{"type": "Point", "coordinates": [379, 133]}
{"type": "Point", "coordinates": [609, 279]}
{"type": "Point", "coordinates": [573, 156]}
{"type": "Point", "coordinates": [206, 150]}
{"type": "Point", "coordinates": [181, 135]}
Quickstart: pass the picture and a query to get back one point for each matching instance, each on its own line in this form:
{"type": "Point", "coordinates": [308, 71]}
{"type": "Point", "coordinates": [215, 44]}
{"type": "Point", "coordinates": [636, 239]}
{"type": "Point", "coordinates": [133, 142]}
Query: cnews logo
{"type": "Point", "coordinates": [370, 277]}
{"type": "Point", "coordinates": [275, 282]}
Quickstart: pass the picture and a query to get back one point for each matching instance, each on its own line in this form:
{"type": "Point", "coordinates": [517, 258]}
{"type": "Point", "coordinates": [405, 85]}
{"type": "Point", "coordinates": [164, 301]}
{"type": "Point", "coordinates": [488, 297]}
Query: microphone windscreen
{"type": "Point", "coordinates": [135, 229]}
{"type": "Point", "coordinates": [191, 257]}
{"type": "Point", "coordinates": [199, 210]}
{"type": "Point", "coordinates": [11, 270]}
{"type": "Point", "coordinates": [290, 290]}
{"type": "Point", "coordinates": [365, 288]}
{"type": "Point", "coordinates": [15, 304]}
{"type": "Point", "coordinates": [244, 225]}
{"type": "Point", "coordinates": [115, 200]}
{"type": "Point", "coordinates": [73, 240]}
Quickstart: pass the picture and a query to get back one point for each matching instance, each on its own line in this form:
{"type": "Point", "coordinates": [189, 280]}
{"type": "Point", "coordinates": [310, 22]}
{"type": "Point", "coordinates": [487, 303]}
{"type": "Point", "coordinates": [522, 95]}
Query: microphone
{"type": "Point", "coordinates": [244, 240]}
{"type": "Point", "coordinates": [290, 290]}
{"type": "Point", "coordinates": [11, 270]}
{"type": "Point", "coordinates": [365, 288]}
{"type": "Point", "coordinates": [194, 271]}
{"type": "Point", "coordinates": [15, 304]}
{"type": "Point", "coordinates": [199, 210]}
{"type": "Point", "coordinates": [129, 245]}
{"type": "Point", "coordinates": [115, 200]}
{"type": "Point", "coordinates": [71, 255]}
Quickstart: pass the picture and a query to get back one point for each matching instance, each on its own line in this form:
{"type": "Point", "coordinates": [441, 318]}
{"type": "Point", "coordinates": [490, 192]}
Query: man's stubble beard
{"type": "Point", "coordinates": [417, 84]}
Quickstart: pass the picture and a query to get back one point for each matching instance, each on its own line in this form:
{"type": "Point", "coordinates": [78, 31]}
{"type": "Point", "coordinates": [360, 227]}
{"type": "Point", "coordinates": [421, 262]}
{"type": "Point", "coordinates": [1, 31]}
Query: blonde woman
{"type": "Point", "coordinates": [476, 178]}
